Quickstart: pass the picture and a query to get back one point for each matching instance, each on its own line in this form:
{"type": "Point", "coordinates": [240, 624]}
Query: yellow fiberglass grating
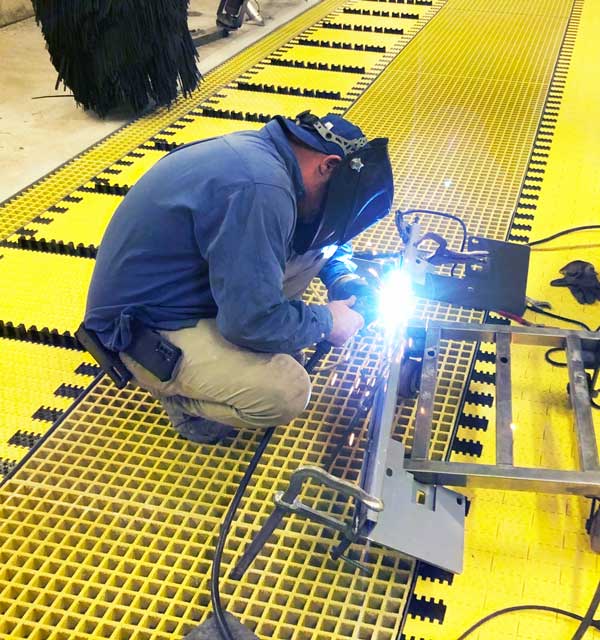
{"type": "Point", "coordinates": [131, 167]}
{"type": "Point", "coordinates": [43, 289]}
{"type": "Point", "coordinates": [354, 38]}
{"type": "Point", "coordinates": [306, 78]}
{"type": "Point", "coordinates": [56, 186]}
{"type": "Point", "coordinates": [127, 514]}
{"type": "Point", "coordinates": [387, 18]}
{"type": "Point", "coordinates": [47, 377]}
{"type": "Point", "coordinates": [463, 144]}
{"type": "Point", "coordinates": [272, 104]}
{"type": "Point", "coordinates": [317, 55]}
{"type": "Point", "coordinates": [197, 127]}
{"type": "Point", "coordinates": [82, 222]}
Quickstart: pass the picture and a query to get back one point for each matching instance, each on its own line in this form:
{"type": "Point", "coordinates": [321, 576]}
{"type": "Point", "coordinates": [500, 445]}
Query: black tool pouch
{"type": "Point", "coordinates": [109, 361]}
{"type": "Point", "coordinates": [154, 352]}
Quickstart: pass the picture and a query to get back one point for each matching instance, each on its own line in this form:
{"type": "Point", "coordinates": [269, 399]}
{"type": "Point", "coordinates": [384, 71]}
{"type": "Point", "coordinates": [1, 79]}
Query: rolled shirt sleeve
{"type": "Point", "coordinates": [246, 259]}
{"type": "Point", "coordinates": [340, 264]}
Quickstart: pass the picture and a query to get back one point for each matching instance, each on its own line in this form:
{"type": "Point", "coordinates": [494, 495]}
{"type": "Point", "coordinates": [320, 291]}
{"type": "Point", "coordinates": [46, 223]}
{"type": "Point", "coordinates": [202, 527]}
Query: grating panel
{"type": "Point", "coordinates": [43, 289]}
{"type": "Point", "coordinates": [131, 168]}
{"type": "Point", "coordinates": [272, 104]}
{"type": "Point", "coordinates": [24, 390]}
{"type": "Point", "coordinates": [305, 78]}
{"type": "Point", "coordinates": [361, 39]}
{"type": "Point", "coordinates": [130, 526]}
{"type": "Point", "coordinates": [78, 222]}
{"type": "Point", "coordinates": [316, 55]}
{"type": "Point", "coordinates": [526, 548]}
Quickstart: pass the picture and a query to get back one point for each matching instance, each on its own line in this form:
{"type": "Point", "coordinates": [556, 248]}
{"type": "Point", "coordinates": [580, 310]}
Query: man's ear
{"type": "Point", "coordinates": [328, 164]}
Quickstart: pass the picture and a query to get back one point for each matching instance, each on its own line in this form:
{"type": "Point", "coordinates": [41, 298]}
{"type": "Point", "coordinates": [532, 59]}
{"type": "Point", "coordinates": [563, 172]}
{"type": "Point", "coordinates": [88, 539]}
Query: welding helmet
{"type": "Point", "coordinates": [361, 188]}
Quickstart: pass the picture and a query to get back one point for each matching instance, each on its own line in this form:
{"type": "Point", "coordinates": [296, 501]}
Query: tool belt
{"type": "Point", "coordinates": [148, 348]}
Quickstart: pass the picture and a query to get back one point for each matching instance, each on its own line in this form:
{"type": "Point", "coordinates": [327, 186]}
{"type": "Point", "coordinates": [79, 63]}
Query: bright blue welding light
{"type": "Point", "coordinates": [396, 300]}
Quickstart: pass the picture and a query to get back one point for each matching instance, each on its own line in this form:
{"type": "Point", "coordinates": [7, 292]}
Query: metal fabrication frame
{"type": "Point", "coordinates": [584, 481]}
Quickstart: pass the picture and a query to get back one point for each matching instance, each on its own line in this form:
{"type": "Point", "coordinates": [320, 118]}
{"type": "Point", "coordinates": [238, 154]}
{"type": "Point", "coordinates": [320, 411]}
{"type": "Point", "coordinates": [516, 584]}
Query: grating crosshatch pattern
{"type": "Point", "coordinates": [525, 547]}
{"type": "Point", "coordinates": [108, 530]}
{"type": "Point", "coordinates": [72, 226]}
{"type": "Point", "coordinates": [46, 377]}
{"type": "Point", "coordinates": [129, 525]}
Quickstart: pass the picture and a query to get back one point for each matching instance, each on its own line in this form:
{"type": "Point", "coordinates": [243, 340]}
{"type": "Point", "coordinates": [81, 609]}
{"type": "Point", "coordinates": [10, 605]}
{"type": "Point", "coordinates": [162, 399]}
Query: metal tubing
{"type": "Point", "coordinates": [424, 419]}
{"type": "Point", "coordinates": [488, 476]}
{"type": "Point", "coordinates": [504, 433]}
{"type": "Point", "coordinates": [380, 433]}
{"type": "Point", "coordinates": [580, 399]}
{"type": "Point", "coordinates": [533, 336]}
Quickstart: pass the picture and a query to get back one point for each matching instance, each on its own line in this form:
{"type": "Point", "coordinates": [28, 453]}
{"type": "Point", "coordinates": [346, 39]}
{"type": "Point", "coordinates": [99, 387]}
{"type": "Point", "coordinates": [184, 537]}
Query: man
{"type": "Point", "coordinates": [205, 261]}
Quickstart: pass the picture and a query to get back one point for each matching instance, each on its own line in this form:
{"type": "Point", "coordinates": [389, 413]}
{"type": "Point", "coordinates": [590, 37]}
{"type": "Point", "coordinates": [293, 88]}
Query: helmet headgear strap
{"type": "Point", "coordinates": [307, 119]}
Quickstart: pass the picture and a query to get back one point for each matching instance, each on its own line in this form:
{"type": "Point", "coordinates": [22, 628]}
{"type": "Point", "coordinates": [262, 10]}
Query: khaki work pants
{"type": "Point", "coordinates": [232, 385]}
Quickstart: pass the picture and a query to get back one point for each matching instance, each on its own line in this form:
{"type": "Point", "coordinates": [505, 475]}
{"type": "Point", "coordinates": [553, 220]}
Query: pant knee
{"type": "Point", "coordinates": [287, 394]}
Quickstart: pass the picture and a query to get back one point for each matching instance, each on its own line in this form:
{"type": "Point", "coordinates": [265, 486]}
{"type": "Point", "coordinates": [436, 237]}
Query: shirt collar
{"type": "Point", "coordinates": [275, 132]}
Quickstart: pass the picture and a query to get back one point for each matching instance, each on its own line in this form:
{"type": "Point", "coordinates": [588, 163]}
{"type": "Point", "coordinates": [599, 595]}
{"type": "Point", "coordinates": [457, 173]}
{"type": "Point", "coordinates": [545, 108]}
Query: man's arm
{"type": "Point", "coordinates": [339, 265]}
{"type": "Point", "coordinates": [246, 259]}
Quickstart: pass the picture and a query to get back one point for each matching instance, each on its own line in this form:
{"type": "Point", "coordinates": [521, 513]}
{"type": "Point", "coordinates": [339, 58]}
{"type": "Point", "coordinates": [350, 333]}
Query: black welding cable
{"type": "Point", "coordinates": [588, 621]}
{"type": "Point", "coordinates": [321, 350]}
{"type": "Point", "coordinates": [543, 312]}
{"type": "Point", "coordinates": [550, 352]}
{"type": "Point", "coordinates": [215, 595]}
{"type": "Point", "coordinates": [587, 227]}
{"type": "Point", "coordinates": [440, 214]}
{"type": "Point", "coordinates": [594, 624]}
{"type": "Point", "coordinates": [555, 363]}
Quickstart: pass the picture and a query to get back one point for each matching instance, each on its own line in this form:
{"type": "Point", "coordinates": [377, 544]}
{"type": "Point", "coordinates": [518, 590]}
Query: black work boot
{"type": "Point", "coordinates": [194, 428]}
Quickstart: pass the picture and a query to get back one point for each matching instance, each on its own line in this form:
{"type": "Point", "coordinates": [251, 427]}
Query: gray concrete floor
{"type": "Point", "coordinates": [38, 134]}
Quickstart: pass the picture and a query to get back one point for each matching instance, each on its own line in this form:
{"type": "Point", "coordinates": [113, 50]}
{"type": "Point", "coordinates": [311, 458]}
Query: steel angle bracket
{"type": "Point", "coordinates": [421, 520]}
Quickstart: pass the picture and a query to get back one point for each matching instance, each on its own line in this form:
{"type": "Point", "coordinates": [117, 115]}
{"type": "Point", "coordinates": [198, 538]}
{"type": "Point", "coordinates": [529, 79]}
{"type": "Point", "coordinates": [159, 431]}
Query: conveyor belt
{"type": "Point", "coordinates": [107, 530]}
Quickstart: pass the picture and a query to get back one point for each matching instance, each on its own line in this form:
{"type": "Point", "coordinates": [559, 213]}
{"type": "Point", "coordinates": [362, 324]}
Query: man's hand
{"type": "Point", "coordinates": [350, 285]}
{"type": "Point", "coordinates": [346, 322]}
{"type": "Point", "coordinates": [366, 294]}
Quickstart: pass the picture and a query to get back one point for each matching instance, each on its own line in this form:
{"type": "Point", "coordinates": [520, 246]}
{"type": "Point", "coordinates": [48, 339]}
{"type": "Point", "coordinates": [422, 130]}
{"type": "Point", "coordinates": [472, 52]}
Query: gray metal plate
{"type": "Point", "coordinates": [424, 521]}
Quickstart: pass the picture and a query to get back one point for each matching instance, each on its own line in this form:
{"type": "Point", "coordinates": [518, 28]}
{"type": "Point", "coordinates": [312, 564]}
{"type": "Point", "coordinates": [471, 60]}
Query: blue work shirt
{"type": "Point", "coordinates": [206, 233]}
